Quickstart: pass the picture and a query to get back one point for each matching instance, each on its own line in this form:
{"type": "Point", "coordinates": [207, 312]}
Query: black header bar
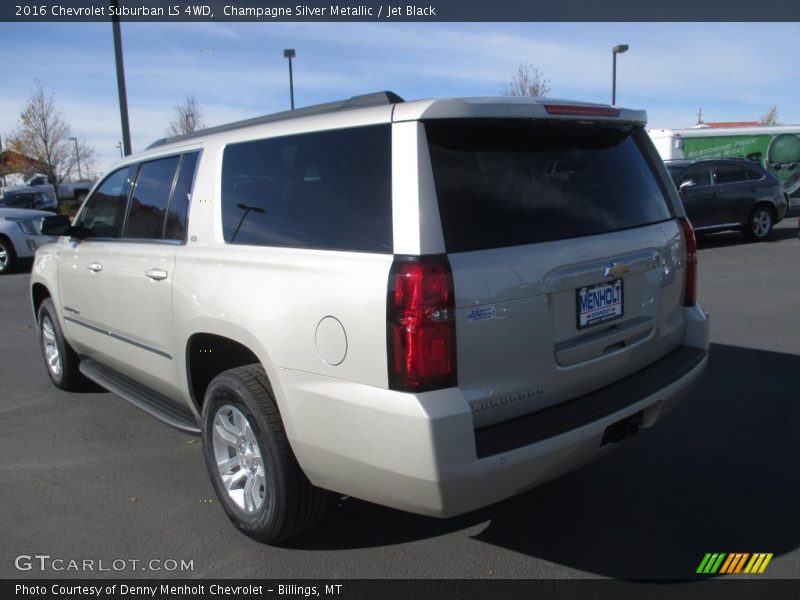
{"type": "Point", "coordinates": [270, 11]}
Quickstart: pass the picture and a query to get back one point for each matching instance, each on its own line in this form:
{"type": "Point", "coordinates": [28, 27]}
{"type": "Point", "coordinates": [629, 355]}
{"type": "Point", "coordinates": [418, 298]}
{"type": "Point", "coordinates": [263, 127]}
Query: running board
{"type": "Point", "coordinates": [150, 401]}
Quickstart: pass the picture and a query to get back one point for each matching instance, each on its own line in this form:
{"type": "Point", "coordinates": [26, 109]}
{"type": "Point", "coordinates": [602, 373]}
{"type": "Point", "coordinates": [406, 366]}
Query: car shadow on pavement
{"type": "Point", "coordinates": [718, 474]}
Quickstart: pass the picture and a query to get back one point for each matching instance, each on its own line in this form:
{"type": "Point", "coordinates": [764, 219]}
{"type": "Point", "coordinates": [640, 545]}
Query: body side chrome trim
{"type": "Point", "coordinates": [117, 336]}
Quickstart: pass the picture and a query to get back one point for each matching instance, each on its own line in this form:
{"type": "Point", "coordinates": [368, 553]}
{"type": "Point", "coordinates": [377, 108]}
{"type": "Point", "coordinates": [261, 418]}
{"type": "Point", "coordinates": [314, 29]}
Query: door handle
{"type": "Point", "coordinates": [156, 274]}
{"type": "Point", "coordinates": [95, 267]}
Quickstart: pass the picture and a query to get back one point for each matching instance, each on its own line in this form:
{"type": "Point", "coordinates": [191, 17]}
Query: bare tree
{"type": "Point", "coordinates": [44, 140]}
{"type": "Point", "coordinates": [770, 117]}
{"type": "Point", "coordinates": [188, 118]}
{"type": "Point", "coordinates": [527, 81]}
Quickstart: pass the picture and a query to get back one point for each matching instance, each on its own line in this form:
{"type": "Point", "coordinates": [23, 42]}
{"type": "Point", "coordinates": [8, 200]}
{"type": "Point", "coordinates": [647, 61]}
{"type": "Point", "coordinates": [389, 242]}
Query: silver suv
{"type": "Point", "coordinates": [431, 305]}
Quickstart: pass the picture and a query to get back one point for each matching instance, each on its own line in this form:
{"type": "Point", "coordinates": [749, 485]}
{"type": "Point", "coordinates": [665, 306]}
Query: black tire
{"type": "Point", "coordinates": [66, 375]}
{"type": "Point", "coordinates": [760, 223]}
{"type": "Point", "coordinates": [8, 257]}
{"type": "Point", "coordinates": [290, 504]}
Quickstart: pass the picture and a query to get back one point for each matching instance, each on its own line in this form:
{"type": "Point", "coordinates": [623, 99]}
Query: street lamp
{"type": "Point", "coordinates": [2, 161]}
{"type": "Point", "coordinates": [616, 50]}
{"type": "Point", "coordinates": [77, 158]}
{"type": "Point", "coordinates": [289, 53]}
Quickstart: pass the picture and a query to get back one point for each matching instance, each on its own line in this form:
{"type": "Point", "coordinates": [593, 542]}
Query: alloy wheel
{"type": "Point", "coordinates": [762, 223]}
{"type": "Point", "coordinates": [50, 345]}
{"type": "Point", "coordinates": [239, 461]}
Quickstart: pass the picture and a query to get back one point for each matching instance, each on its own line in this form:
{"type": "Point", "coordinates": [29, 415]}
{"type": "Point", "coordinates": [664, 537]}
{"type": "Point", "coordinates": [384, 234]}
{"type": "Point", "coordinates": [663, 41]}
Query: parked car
{"type": "Point", "coordinates": [430, 305]}
{"type": "Point", "coordinates": [68, 190]}
{"type": "Point", "coordinates": [721, 194]}
{"type": "Point", "coordinates": [29, 198]}
{"type": "Point", "coordinates": [20, 235]}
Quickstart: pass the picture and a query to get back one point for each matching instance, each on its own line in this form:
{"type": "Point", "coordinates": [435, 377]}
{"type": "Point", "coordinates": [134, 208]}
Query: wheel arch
{"type": "Point", "coordinates": [768, 204]}
{"type": "Point", "coordinates": [208, 355]}
{"type": "Point", "coordinates": [39, 293]}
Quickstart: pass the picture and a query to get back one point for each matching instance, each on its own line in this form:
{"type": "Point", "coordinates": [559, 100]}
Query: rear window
{"type": "Point", "coordinates": [505, 183]}
{"type": "Point", "coordinates": [328, 190]}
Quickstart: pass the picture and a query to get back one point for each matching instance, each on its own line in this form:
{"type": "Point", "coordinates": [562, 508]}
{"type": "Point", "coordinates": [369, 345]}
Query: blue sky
{"type": "Point", "coordinates": [237, 70]}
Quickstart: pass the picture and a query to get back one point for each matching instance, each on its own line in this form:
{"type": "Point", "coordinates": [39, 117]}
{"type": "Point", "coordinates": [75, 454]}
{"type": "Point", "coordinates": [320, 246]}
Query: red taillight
{"type": "Point", "coordinates": [690, 282]}
{"type": "Point", "coordinates": [579, 110]}
{"type": "Point", "coordinates": [421, 324]}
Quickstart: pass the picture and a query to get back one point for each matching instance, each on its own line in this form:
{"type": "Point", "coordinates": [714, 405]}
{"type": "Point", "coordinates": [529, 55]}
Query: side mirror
{"type": "Point", "coordinates": [60, 225]}
{"type": "Point", "coordinates": [55, 225]}
{"type": "Point", "coordinates": [687, 184]}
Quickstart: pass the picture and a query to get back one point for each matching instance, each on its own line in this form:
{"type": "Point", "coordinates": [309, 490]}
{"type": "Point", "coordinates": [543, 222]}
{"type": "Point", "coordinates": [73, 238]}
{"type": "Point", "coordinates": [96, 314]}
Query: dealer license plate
{"type": "Point", "coordinates": [599, 303]}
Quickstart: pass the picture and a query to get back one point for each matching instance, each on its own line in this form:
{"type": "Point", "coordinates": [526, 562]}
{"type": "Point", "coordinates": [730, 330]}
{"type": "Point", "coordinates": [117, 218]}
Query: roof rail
{"type": "Point", "coordinates": [362, 101]}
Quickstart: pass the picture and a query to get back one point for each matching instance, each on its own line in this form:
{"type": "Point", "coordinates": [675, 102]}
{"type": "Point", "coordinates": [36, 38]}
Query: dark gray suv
{"type": "Point", "coordinates": [720, 194]}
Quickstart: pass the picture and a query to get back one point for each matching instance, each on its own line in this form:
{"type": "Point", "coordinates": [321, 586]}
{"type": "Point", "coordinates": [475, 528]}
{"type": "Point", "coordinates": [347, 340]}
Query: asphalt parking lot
{"type": "Point", "coordinates": [87, 476]}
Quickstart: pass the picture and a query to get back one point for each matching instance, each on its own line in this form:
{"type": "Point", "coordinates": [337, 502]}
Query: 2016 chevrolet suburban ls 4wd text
{"type": "Point", "coordinates": [431, 305]}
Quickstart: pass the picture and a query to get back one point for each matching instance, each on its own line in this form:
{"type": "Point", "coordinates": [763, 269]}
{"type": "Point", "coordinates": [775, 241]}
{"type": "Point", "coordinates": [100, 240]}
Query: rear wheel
{"type": "Point", "coordinates": [760, 223]}
{"type": "Point", "coordinates": [252, 467]}
{"type": "Point", "coordinates": [60, 359]}
{"type": "Point", "coordinates": [7, 256]}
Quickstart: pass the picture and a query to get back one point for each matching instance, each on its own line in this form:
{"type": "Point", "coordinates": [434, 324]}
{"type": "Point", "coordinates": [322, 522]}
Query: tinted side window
{"type": "Point", "coordinates": [701, 175]}
{"type": "Point", "coordinates": [753, 175]}
{"type": "Point", "coordinates": [329, 190]}
{"type": "Point", "coordinates": [505, 182]}
{"type": "Point", "coordinates": [104, 212]}
{"type": "Point", "coordinates": [730, 173]}
{"type": "Point", "coordinates": [148, 206]}
{"type": "Point", "coordinates": [179, 204]}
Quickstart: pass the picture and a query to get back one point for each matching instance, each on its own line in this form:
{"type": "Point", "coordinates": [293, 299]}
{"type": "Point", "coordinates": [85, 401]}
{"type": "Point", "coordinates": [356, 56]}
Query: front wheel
{"type": "Point", "coordinates": [60, 359]}
{"type": "Point", "coordinates": [252, 467]}
{"type": "Point", "coordinates": [760, 223]}
{"type": "Point", "coordinates": [7, 256]}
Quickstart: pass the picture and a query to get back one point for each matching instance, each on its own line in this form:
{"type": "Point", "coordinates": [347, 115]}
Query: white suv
{"type": "Point", "coordinates": [431, 305]}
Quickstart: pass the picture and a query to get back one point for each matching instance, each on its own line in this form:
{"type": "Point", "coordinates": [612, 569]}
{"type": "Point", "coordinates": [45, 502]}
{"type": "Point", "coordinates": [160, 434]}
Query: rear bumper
{"type": "Point", "coordinates": [421, 453]}
{"type": "Point", "coordinates": [581, 412]}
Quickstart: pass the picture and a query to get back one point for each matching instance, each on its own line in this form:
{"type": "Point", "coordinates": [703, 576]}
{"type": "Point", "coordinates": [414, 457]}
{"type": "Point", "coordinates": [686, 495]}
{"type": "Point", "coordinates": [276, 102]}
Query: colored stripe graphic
{"type": "Point", "coordinates": [728, 564]}
{"type": "Point", "coordinates": [710, 563]}
{"type": "Point", "coordinates": [734, 563]}
{"type": "Point", "coordinates": [758, 563]}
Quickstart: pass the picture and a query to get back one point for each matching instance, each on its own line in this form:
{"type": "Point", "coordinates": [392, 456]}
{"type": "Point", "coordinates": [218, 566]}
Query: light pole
{"type": "Point", "coordinates": [616, 50]}
{"type": "Point", "coordinates": [77, 157]}
{"type": "Point", "coordinates": [121, 92]}
{"type": "Point", "coordinates": [2, 162]}
{"type": "Point", "coordinates": [289, 53]}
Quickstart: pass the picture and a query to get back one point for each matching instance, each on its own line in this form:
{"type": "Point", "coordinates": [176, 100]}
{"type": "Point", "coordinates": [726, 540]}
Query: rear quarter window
{"type": "Point", "coordinates": [505, 182]}
{"type": "Point", "coordinates": [731, 174]}
{"type": "Point", "coordinates": [328, 190]}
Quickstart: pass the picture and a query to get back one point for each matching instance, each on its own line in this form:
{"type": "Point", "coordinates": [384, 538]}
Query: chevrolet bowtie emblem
{"type": "Point", "coordinates": [616, 270]}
